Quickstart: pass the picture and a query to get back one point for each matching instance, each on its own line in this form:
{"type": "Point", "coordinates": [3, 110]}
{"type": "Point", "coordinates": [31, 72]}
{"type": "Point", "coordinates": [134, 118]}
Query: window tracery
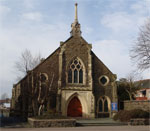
{"type": "Point", "coordinates": [75, 72]}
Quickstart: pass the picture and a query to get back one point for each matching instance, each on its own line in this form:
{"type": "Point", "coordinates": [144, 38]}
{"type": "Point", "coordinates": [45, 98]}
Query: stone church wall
{"type": "Point", "coordinates": [99, 69]}
{"type": "Point", "coordinates": [23, 102]}
{"type": "Point", "coordinates": [134, 104]}
{"type": "Point", "coordinates": [50, 67]}
{"type": "Point", "coordinates": [75, 47]}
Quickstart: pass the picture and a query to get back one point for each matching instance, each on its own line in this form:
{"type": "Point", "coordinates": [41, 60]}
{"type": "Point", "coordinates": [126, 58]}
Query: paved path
{"type": "Point", "coordinates": [98, 128]}
{"type": "Point", "coordinates": [99, 122]}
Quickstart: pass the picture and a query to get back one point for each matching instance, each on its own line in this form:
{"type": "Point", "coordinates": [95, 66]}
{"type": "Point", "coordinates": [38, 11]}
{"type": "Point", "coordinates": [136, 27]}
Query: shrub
{"type": "Point", "coordinates": [138, 113]}
{"type": "Point", "coordinates": [125, 116]}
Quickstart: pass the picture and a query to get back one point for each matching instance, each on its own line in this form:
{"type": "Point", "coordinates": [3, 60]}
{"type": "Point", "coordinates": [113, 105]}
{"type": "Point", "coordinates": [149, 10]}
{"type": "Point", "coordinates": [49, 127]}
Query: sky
{"type": "Point", "coordinates": [111, 26]}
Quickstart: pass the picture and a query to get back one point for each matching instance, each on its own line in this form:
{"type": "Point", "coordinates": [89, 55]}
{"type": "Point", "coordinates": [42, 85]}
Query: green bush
{"type": "Point", "coordinates": [125, 116]}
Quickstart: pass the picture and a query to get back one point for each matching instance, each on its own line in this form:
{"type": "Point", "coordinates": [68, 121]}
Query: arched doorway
{"type": "Point", "coordinates": [103, 107]}
{"type": "Point", "coordinates": [74, 108]}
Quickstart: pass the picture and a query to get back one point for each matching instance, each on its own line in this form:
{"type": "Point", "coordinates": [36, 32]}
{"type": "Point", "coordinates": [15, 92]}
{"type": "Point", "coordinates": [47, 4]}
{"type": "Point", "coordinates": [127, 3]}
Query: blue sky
{"type": "Point", "coordinates": [39, 25]}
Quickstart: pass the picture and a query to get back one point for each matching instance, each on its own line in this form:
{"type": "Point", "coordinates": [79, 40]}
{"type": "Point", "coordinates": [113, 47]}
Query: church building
{"type": "Point", "coordinates": [71, 82]}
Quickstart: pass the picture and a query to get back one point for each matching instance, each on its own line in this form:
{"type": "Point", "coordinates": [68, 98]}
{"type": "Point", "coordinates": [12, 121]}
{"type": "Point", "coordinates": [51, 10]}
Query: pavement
{"type": "Point", "coordinates": [99, 122]}
{"type": "Point", "coordinates": [96, 128]}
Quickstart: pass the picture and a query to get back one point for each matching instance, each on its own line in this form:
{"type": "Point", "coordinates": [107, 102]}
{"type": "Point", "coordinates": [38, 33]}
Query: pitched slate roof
{"type": "Point", "coordinates": [145, 84]}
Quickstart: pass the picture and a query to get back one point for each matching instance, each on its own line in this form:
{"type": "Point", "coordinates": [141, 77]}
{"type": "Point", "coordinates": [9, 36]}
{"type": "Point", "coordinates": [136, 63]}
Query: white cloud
{"type": "Point", "coordinates": [117, 21]}
{"type": "Point", "coordinates": [2, 0]}
{"type": "Point", "coordinates": [3, 11]}
{"type": "Point", "coordinates": [33, 16]}
{"type": "Point", "coordinates": [119, 4]}
{"type": "Point", "coordinates": [127, 20]}
{"type": "Point", "coordinates": [122, 21]}
{"type": "Point", "coordinates": [141, 7]}
{"type": "Point", "coordinates": [87, 30]}
{"type": "Point", "coordinates": [114, 55]}
{"type": "Point", "coordinates": [29, 4]}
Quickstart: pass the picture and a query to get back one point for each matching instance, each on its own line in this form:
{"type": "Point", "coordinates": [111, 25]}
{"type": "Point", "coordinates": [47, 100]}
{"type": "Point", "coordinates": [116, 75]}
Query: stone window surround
{"type": "Point", "coordinates": [108, 102]}
{"type": "Point", "coordinates": [106, 77]}
{"type": "Point", "coordinates": [46, 76]}
{"type": "Point", "coordinates": [103, 100]}
{"type": "Point", "coordinates": [83, 69]}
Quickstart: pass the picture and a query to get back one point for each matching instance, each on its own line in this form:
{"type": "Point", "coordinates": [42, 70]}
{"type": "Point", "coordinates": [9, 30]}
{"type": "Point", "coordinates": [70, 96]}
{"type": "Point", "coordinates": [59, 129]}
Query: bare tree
{"type": "Point", "coordinates": [41, 92]}
{"type": "Point", "coordinates": [140, 52]}
{"type": "Point", "coordinates": [27, 61]}
{"type": "Point", "coordinates": [129, 85]}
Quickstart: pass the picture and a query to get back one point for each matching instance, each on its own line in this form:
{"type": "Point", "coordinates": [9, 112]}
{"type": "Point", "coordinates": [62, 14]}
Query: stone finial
{"type": "Point", "coordinates": [75, 25]}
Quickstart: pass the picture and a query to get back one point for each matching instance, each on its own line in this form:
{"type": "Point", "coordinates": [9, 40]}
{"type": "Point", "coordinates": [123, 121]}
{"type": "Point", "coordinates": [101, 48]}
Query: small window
{"type": "Point", "coordinates": [104, 80]}
{"type": "Point", "coordinates": [43, 77]}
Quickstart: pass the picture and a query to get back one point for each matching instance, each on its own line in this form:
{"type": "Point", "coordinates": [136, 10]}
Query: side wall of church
{"type": "Point", "coordinates": [109, 90]}
{"type": "Point", "coordinates": [23, 102]}
{"type": "Point", "coordinates": [50, 66]}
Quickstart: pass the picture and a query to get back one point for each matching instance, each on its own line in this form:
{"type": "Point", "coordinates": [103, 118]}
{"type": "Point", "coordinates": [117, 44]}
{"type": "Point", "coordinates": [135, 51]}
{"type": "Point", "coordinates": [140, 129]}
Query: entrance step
{"type": "Point", "coordinates": [98, 122]}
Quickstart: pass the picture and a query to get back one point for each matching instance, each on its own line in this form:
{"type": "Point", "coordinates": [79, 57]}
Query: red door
{"type": "Point", "coordinates": [74, 108]}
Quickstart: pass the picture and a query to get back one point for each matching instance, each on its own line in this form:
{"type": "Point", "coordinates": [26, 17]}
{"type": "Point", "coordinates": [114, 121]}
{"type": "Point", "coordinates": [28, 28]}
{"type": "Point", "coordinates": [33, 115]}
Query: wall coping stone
{"type": "Point", "coordinates": [137, 101]}
{"type": "Point", "coordinates": [52, 122]}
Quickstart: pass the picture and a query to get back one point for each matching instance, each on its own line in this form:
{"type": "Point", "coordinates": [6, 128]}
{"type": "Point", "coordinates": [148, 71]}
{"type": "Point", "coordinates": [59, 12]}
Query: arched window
{"type": "Point", "coordinates": [103, 107]}
{"type": "Point", "coordinates": [75, 72]}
